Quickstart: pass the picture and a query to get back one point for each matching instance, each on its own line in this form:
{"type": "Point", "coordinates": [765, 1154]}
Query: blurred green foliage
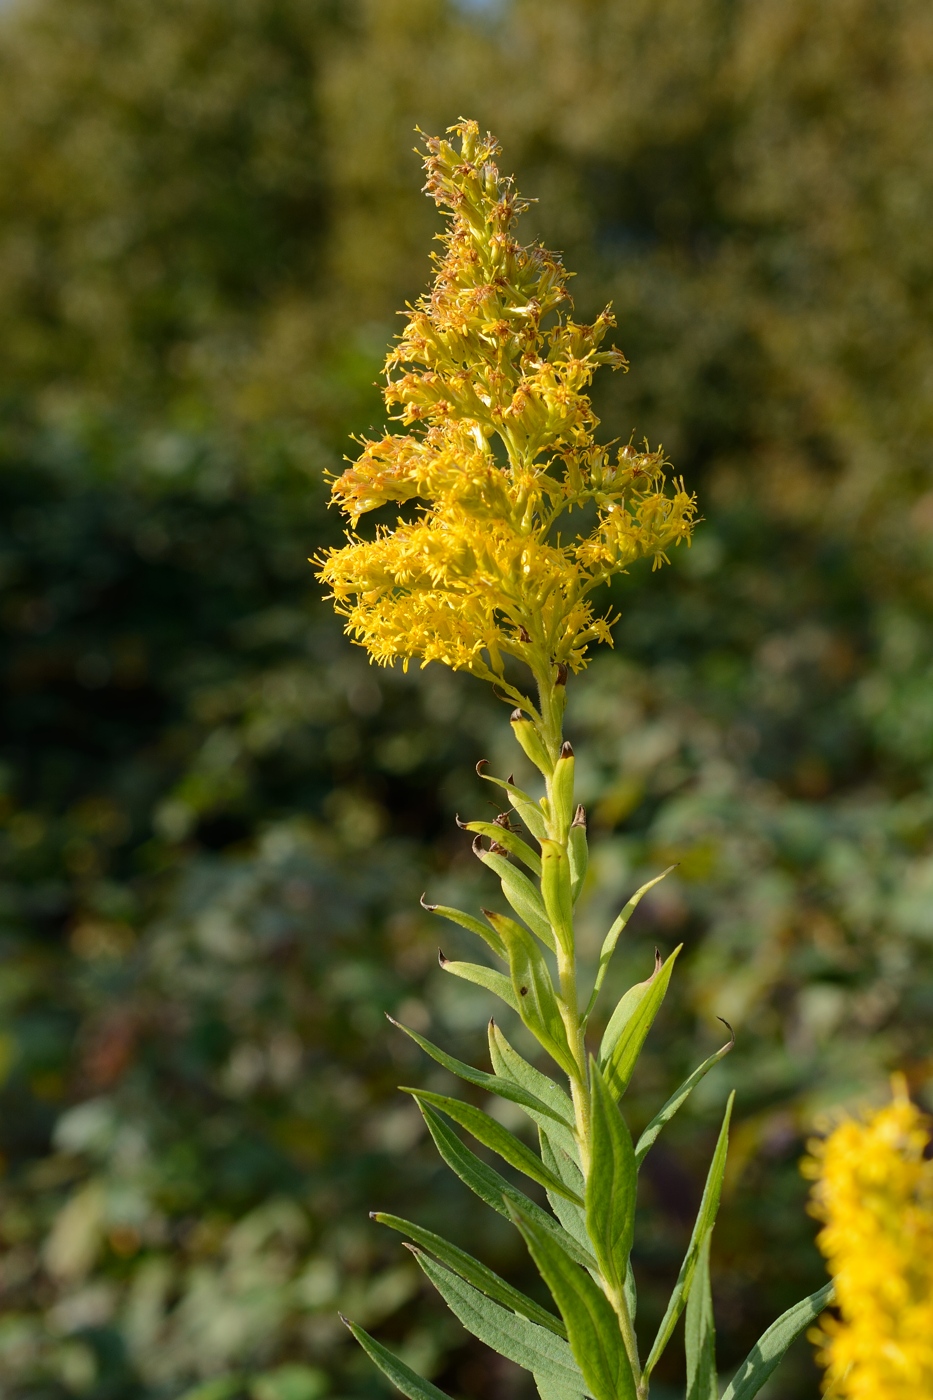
{"type": "Point", "coordinates": [216, 818]}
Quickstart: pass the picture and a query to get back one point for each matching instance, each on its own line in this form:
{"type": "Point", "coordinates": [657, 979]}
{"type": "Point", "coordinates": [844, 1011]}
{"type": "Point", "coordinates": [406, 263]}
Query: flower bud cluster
{"type": "Point", "coordinates": [490, 378]}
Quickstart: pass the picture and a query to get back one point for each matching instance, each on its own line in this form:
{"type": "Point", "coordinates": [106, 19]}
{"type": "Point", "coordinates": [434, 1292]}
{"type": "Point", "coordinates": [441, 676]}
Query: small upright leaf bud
{"type": "Point", "coordinates": [530, 740]}
{"type": "Point", "coordinates": [562, 791]}
{"type": "Point", "coordinates": [577, 853]}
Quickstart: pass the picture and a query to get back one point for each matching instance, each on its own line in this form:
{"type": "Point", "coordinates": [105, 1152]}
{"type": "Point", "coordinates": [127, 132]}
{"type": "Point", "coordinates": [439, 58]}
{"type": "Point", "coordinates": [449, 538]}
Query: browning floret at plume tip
{"type": "Point", "coordinates": [489, 382]}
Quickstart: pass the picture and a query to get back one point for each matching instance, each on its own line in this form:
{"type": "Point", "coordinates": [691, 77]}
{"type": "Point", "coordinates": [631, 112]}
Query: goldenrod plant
{"type": "Point", "coordinates": [497, 463]}
{"type": "Point", "coordinates": [874, 1193]}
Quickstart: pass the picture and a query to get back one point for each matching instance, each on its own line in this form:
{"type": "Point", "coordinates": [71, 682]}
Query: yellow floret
{"type": "Point", "coordinates": [491, 377]}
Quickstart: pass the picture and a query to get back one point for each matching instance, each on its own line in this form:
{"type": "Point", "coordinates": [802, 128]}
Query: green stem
{"type": "Point", "coordinates": [551, 732]}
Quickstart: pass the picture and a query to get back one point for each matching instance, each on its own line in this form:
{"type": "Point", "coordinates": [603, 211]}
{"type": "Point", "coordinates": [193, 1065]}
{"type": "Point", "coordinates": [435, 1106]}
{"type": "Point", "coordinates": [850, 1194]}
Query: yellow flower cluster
{"type": "Point", "coordinates": [491, 377]}
{"type": "Point", "coordinates": [874, 1191]}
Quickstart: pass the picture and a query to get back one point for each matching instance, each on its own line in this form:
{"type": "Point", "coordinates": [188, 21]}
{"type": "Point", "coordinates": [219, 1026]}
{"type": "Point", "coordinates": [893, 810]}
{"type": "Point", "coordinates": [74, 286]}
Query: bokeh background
{"type": "Point", "coordinates": [217, 818]}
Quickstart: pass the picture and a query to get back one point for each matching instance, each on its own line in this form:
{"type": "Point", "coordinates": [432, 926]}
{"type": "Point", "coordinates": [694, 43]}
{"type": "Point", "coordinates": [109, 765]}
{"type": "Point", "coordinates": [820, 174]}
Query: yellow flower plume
{"type": "Point", "coordinates": [490, 375]}
{"type": "Point", "coordinates": [874, 1192]}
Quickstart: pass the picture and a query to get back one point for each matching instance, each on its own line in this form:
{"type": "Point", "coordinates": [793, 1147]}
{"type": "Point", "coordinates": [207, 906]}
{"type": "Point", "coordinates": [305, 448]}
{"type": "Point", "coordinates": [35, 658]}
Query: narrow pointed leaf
{"type": "Point", "coordinates": [578, 855]}
{"type": "Point", "coordinates": [521, 894]}
{"type": "Point", "coordinates": [515, 1337]}
{"type": "Point", "coordinates": [486, 977]}
{"type": "Point", "coordinates": [526, 807]}
{"type": "Point", "coordinates": [570, 1215]}
{"type": "Point", "coordinates": [631, 1292]}
{"type": "Point", "coordinates": [492, 1188]}
{"type": "Point", "coordinates": [492, 1134]}
{"type": "Point", "coordinates": [592, 1326]}
{"type": "Point", "coordinates": [678, 1098]}
{"type": "Point", "coordinates": [402, 1377]}
{"type": "Point", "coordinates": [549, 1390]}
{"type": "Point", "coordinates": [534, 993]}
{"type": "Point", "coordinates": [556, 892]}
{"type": "Point", "coordinates": [630, 1024]}
{"type": "Point", "coordinates": [706, 1218]}
{"type": "Point", "coordinates": [612, 937]}
{"type": "Point", "coordinates": [467, 921]}
{"type": "Point", "coordinates": [610, 1185]}
{"type": "Point", "coordinates": [512, 843]}
{"type": "Point", "coordinates": [769, 1350]}
{"type": "Point", "coordinates": [509, 1064]}
{"type": "Point", "coordinates": [492, 1083]}
{"type": "Point", "coordinates": [474, 1272]}
{"type": "Point", "coordinates": [700, 1332]}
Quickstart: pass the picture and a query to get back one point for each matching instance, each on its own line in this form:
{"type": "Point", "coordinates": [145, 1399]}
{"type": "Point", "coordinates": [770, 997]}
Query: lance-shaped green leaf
{"type": "Point", "coordinates": [612, 937]}
{"type": "Point", "coordinates": [578, 855]}
{"type": "Point", "coordinates": [520, 892]}
{"type": "Point", "coordinates": [526, 807]}
{"type": "Point", "coordinates": [467, 921]}
{"type": "Point", "coordinates": [515, 1337]}
{"type": "Point", "coordinates": [473, 1271]}
{"type": "Point", "coordinates": [610, 1185]}
{"type": "Point", "coordinates": [509, 1064]}
{"type": "Point", "coordinates": [548, 1390]}
{"type": "Point", "coordinates": [402, 1377]}
{"type": "Point", "coordinates": [700, 1332]}
{"type": "Point", "coordinates": [492, 1135]}
{"type": "Point", "coordinates": [571, 1216]}
{"type": "Point", "coordinates": [768, 1351]}
{"type": "Point", "coordinates": [679, 1097]}
{"type": "Point", "coordinates": [528, 735]}
{"type": "Point", "coordinates": [706, 1219]}
{"type": "Point", "coordinates": [507, 838]}
{"type": "Point", "coordinates": [592, 1326]}
{"type": "Point", "coordinates": [562, 804]}
{"type": "Point", "coordinates": [535, 997]}
{"type": "Point", "coordinates": [630, 1023]}
{"type": "Point", "coordinates": [556, 892]}
{"type": "Point", "coordinates": [492, 1188]}
{"type": "Point", "coordinates": [492, 1083]}
{"type": "Point", "coordinates": [480, 976]}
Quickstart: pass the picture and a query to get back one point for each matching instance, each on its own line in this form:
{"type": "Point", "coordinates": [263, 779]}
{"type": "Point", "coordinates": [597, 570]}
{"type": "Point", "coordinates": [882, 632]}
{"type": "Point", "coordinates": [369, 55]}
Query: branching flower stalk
{"type": "Point", "coordinates": [497, 463]}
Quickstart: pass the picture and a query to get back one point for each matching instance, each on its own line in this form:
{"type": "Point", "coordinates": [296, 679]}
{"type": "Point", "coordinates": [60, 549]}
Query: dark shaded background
{"type": "Point", "coordinates": [217, 818]}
